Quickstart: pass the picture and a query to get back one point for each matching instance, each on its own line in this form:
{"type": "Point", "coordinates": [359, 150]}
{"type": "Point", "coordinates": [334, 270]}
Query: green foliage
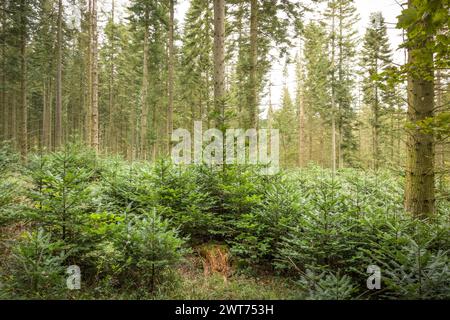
{"type": "Point", "coordinates": [261, 229]}
{"type": "Point", "coordinates": [380, 97]}
{"type": "Point", "coordinates": [9, 185]}
{"type": "Point", "coordinates": [61, 195]}
{"type": "Point", "coordinates": [146, 248]}
{"type": "Point", "coordinates": [342, 224]}
{"type": "Point", "coordinates": [437, 125]}
{"type": "Point", "coordinates": [127, 226]}
{"type": "Point", "coordinates": [229, 193]}
{"type": "Point", "coordinates": [326, 286]}
{"type": "Point", "coordinates": [176, 192]}
{"type": "Point", "coordinates": [8, 158]}
{"type": "Point", "coordinates": [196, 63]}
{"type": "Point", "coordinates": [285, 120]}
{"type": "Point", "coordinates": [341, 19]}
{"type": "Point", "coordinates": [414, 261]}
{"type": "Point", "coordinates": [126, 187]}
{"type": "Point", "coordinates": [425, 20]}
{"type": "Point", "coordinates": [35, 268]}
{"type": "Point", "coordinates": [184, 202]}
{"type": "Point", "coordinates": [317, 94]}
{"type": "Point", "coordinates": [320, 237]}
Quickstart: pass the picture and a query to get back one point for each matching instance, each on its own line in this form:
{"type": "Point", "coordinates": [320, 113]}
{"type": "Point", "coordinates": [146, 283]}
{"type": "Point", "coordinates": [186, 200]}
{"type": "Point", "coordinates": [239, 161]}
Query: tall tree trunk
{"type": "Point", "coordinates": [155, 132]}
{"type": "Point", "coordinates": [94, 62]}
{"type": "Point", "coordinates": [130, 133]}
{"type": "Point", "coordinates": [5, 111]}
{"type": "Point", "coordinates": [219, 62]}
{"type": "Point", "coordinates": [88, 95]}
{"type": "Point", "coordinates": [333, 98]}
{"type": "Point", "coordinates": [440, 145]}
{"type": "Point", "coordinates": [301, 118]}
{"type": "Point", "coordinates": [301, 135]}
{"type": "Point", "coordinates": [205, 111]}
{"type": "Point", "coordinates": [13, 112]}
{"type": "Point", "coordinates": [207, 108]}
{"type": "Point", "coordinates": [111, 110]}
{"type": "Point", "coordinates": [321, 158]}
{"type": "Point", "coordinates": [340, 80]}
{"type": "Point", "coordinates": [310, 138]}
{"type": "Point", "coordinates": [4, 107]}
{"type": "Point", "coordinates": [45, 118]}
{"type": "Point", "coordinates": [23, 131]}
{"type": "Point", "coordinates": [133, 134]}
{"type": "Point", "coordinates": [419, 187]}
{"type": "Point", "coordinates": [270, 109]}
{"type": "Point", "coordinates": [58, 105]}
{"type": "Point", "coordinates": [360, 141]}
{"type": "Point", "coordinates": [170, 77]}
{"type": "Point", "coordinates": [333, 140]}
{"type": "Point", "coordinates": [376, 127]}
{"type": "Point", "coordinates": [144, 93]}
{"type": "Point", "coordinates": [392, 134]}
{"type": "Point", "coordinates": [253, 94]}
{"type": "Point", "coordinates": [399, 138]}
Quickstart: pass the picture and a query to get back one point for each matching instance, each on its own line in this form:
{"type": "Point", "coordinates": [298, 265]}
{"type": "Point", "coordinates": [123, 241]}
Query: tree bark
{"type": "Point", "coordinates": [45, 118]}
{"type": "Point", "coordinates": [376, 125]}
{"type": "Point", "coordinates": [170, 77]}
{"type": "Point", "coordinates": [14, 112]}
{"type": "Point", "coordinates": [4, 107]}
{"type": "Point", "coordinates": [440, 146]}
{"type": "Point", "coordinates": [88, 96]}
{"type": "Point", "coordinates": [111, 86]}
{"type": "Point", "coordinates": [23, 131]}
{"type": "Point", "coordinates": [341, 80]}
{"type": "Point", "coordinates": [253, 95]}
{"type": "Point", "coordinates": [94, 62]}
{"type": "Point", "coordinates": [270, 109]}
{"type": "Point", "coordinates": [144, 93]}
{"type": "Point", "coordinates": [301, 117]}
{"type": "Point", "coordinates": [333, 98]}
{"type": "Point", "coordinates": [419, 187]}
{"type": "Point", "coordinates": [155, 132]}
{"type": "Point", "coordinates": [58, 105]}
{"type": "Point", "coordinates": [219, 62]}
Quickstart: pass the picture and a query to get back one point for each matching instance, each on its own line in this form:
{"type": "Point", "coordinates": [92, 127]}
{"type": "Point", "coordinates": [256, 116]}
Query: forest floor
{"type": "Point", "coordinates": [191, 282]}
{"type": "Point", "coordinates": [197, 284]}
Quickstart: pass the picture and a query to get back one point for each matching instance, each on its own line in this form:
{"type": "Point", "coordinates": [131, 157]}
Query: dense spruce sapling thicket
{"type": "Point", "coordinates": [130, 226]}
{"type": "Point", "coordinates": [63, 207]}
{"type": "Point", "coordinates": [35, 268]}
{"type": "Point", "coordinates": [8, 183]}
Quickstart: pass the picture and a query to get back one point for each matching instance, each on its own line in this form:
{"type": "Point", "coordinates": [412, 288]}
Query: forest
{"type": "Point", "coordinates": [93, 204]}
